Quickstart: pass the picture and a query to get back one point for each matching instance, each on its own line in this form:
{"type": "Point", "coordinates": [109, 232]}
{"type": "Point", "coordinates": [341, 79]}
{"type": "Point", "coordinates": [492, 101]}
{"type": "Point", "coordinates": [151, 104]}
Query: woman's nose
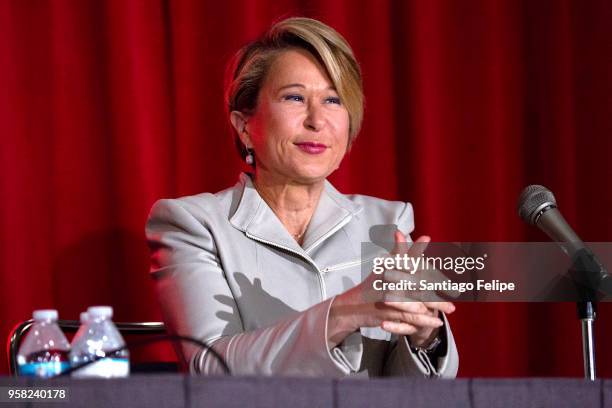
{"type": "Point", "coordinates": [314, 120]}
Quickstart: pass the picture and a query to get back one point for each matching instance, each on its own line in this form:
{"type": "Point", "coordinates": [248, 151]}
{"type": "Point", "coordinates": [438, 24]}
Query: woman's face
{"type": "Point", "coordinates": [299, 130]}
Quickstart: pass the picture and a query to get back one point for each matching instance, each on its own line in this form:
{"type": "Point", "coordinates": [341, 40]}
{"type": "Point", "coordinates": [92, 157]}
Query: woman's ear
{"type": "Point", "coordinates": [239, 122]}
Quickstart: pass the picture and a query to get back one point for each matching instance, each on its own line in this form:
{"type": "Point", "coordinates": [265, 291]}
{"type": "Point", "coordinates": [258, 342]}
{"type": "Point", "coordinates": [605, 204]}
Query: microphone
{"type": "Point", "coordinates": [537, 206]}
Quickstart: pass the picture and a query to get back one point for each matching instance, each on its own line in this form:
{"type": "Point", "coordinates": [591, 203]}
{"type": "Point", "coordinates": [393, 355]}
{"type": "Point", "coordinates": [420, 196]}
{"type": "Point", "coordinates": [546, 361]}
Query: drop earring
{"type": "Point", "coordinates": [249, 158]}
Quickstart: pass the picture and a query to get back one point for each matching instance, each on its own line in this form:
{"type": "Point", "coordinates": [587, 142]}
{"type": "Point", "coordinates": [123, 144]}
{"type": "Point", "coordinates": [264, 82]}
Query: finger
{"type": "Point", "coordinates": [404, 295]}
{"type": "Point", "coordinates": [398, 328]}
{"type": "Point", "coordinates": [446, 307]}
{"type": "Point", "coordinates": [410, 307]}
{"type": "Point", "coordinates": [421, 320]}
{"type": "Point", "coordinates": [396, 296]}
{"type": "Point", "coordinates": [436, 276]}
{"type": "Point", "coordinates": [403, 246]}
{"type": "Point", "coordinates": [401, 243]}
{"type": "Point", "coordinates": [398, 275]}
{"type": "Point", "coordinates": [414, 319]}
{"type": "Point", "coordinates": [419, 246]}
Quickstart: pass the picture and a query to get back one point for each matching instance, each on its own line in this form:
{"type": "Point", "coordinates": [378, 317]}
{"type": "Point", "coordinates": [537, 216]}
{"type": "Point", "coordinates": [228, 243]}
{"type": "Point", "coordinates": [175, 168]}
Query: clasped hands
{"type": "Point", "coordinates": [361, 306]}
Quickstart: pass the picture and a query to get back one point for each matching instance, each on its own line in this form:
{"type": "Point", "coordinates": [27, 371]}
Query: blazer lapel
{"type": "Point", "coordinates": [258, 221]}
{"type": "Point", "coordinates": [333, 212]}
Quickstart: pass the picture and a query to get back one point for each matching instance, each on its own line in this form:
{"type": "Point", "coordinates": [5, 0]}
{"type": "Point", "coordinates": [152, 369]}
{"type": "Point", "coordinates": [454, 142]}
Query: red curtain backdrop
{"type": "Point", "coordinates": [107, 106]}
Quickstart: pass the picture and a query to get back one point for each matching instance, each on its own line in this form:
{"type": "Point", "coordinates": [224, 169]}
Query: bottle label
{"type": "Point", "coordinates": [43, 369]}
{"type": "Point", "coordinates": [106, 368]}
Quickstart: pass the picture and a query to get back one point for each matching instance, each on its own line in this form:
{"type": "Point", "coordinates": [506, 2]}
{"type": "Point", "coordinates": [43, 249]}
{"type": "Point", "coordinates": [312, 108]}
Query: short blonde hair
{"type": "Point", "coordinates": [249, 67]}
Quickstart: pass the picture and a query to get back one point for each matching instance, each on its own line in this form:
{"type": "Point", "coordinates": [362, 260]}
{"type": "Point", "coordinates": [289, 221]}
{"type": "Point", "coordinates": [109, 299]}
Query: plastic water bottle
{"type": "Point", "coordinates": [95, 339]}
{"type": "Point", "coordinates": [84, 319]}
{"type": "Point", "coordinates": [44, 351]}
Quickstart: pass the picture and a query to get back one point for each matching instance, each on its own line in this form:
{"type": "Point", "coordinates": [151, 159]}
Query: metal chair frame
{"type": "Point", "coordinates": [71, 326]}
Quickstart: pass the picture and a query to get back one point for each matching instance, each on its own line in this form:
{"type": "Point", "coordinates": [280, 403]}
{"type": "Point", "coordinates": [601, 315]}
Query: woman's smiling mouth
{"type": "Point", "coordinates": [311, 147]}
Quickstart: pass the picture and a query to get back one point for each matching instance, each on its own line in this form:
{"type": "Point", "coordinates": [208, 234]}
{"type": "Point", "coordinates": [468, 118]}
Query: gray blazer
{"type": "Point", "coordinates": [229, 273]}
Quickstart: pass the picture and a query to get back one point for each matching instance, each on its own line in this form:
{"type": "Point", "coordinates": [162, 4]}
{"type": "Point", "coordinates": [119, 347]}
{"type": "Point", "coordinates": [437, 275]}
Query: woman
{"type": "Point", "coordinates": [268, 271]}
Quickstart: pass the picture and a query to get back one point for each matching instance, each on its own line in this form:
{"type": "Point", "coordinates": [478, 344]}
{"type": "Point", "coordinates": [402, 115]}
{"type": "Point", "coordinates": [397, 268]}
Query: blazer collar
{"type": "Point", "coordinates": [257, 220]}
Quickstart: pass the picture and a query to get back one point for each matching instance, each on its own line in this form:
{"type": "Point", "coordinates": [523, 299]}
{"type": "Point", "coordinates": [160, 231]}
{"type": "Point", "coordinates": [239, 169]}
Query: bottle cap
{"type": "Point", "coordinates": [45, 314]}
{"type": "Point", "coordinates": [84, 317]}
{"type": "Point", "coordinates": [100, 311]}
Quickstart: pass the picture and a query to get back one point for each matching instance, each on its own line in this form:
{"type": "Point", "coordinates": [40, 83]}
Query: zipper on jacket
{"type": "Point", "coordinates": [344, 265]}
{"type": "Point", "coordinates": [307, 258]}
{"type": "Point", "coordinates": [335, 228]}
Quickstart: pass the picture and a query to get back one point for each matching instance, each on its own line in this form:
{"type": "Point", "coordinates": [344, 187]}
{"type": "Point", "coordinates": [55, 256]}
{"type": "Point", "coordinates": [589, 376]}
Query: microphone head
{"type": "Point", "coordinates": [532, 201]}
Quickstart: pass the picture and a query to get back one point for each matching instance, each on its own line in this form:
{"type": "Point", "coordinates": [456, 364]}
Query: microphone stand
{"type": "Point", "coordinates": [586, 314]}
{"type": "Point", "coordinates": [591, 281]}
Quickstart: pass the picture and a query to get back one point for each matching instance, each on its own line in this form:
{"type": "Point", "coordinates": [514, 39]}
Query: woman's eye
{"type": "Point", "coordinates": [333, 99]}
{"type": "Point", "coordinates": [296, 98]}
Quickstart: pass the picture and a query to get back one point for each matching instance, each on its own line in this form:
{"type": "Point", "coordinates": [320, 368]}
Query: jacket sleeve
{"type": "Point", "coordinates": [190, 282]}
{"type": "Point", "coordinates": [401, 360]}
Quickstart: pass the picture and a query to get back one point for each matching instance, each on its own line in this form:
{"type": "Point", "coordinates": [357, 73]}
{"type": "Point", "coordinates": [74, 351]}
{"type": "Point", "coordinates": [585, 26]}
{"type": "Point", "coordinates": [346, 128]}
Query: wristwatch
{"type": "Point", "coordinates": [430, 348]}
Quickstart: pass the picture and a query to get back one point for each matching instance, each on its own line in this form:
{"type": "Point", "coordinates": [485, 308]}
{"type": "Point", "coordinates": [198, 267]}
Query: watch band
{"type": "Point", "coordinates": [431, 347]}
